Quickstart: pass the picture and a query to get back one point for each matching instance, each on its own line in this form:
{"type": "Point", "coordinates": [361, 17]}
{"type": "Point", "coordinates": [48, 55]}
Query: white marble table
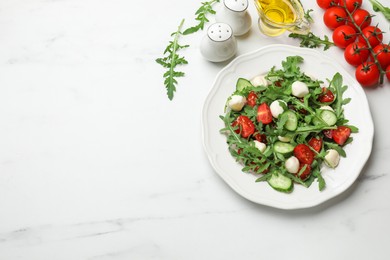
{"type": "Point", "coordinates": [96, 163]}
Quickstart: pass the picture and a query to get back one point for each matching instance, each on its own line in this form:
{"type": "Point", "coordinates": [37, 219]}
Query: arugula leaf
{"type": "Point", "coordinates": [171, 60]}
{"type": "Point", "coordinates": [378, 7]}
{"type": "Point", "coordinates": [312, 41]}
{"type": "Point", "coordinates": [337, 84]}
{"type": "Point", "coordinates": [205, 9]}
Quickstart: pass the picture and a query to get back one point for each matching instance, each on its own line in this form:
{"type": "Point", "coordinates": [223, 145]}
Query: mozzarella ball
{"type": "Point", "coordinates": [299, 89]}
{"type": "Point", "coordinates": [261, 146]}
{"type": "Point", "coordinates": [259, 81]}
{"type": "Point", "coordinates": [327, 108]}
{"type": "Point", "coordinates": [276, 108]}
{"type": "Point", "coordinates": [332, 158]}
{"type": "Point", "coordinates": [292, 164]}
{"type": "Point", "coordinates": [236, 102]}
{"type": "Point", "coordinates": [284, 139]}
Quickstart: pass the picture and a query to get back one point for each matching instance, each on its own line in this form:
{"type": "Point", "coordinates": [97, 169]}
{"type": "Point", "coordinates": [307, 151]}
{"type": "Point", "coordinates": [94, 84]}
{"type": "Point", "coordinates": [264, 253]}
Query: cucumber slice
{"type": "Point", "coordinates": [281, 183]}
{"type": "Point", "coordinates": [283, 148]}
{"type": "Point", "coordinates": [243, 85]}
{"type": "Point", "coordinates": [329, 117]}
{"type": "Point", "coordinates": [292, 120]}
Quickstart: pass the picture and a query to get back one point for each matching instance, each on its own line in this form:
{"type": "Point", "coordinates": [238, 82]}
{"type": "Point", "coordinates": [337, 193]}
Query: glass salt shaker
{"type": "Point", "coordinates": [219, 44]}
{"type": "Point", "coordinates": [234, 13]}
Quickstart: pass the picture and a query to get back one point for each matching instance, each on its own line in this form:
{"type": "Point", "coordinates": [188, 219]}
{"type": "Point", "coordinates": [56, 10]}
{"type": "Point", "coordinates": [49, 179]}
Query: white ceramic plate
{"type": "Point", "coordinates": [321, 67]}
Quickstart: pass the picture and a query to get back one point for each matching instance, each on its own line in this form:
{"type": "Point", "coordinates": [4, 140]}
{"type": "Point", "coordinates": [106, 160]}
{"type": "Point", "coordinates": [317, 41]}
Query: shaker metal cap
{"type": "Point", "coordinates": [236, 5]}
{"type": "Point", "coordinates": [219, 32]}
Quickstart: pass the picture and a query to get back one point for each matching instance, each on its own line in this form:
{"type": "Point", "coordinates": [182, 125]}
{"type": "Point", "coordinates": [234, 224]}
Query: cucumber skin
{"type": "Point", "coordinates": [242, 84]}
{"type": "Point", "coordinates": [289, 122]}
{"type": "Point", "coordinates": [277, 186]}
{"type": "Point", "coordinates": [282, 144]}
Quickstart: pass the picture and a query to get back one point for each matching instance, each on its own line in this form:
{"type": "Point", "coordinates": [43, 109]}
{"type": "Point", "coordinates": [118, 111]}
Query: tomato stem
{"type": "Point", "coordinates": [382, 72]}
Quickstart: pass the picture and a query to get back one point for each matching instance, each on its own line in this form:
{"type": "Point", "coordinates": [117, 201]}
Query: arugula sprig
{"type": "Point", "coordinates": [171, 60]}
{"type": "Point", "coordinates": [312, 41]}
{"type": "Point", "coordinates": [201, 16]}
{"type": "Point", "coordinates": [378, 7]}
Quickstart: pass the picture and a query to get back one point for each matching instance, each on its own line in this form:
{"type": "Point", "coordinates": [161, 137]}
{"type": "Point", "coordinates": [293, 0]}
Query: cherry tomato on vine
{"type": "Point", "coordinates": [361, 17]}
{"type": "Point", "coordinates": [351, 4]}
{"type": "Point", "coordinates": [367, 74]}
{"type": "Point", "coordinates": [343, 36]}
{"type": "Point", "coordinates": [382, 52]}
{"type": "Point", "coordinates": [388, 73]}
{"type": "Point", "coordinates": [325, 4]}
{"type": "Point", "coordinates": [334, 17]}
{"type": "Point", "coordinates": [245, 126]}
{"type": "Point", "coordinates": [356, 53]}
{"type": "Point", "coordinates": [373, 34]}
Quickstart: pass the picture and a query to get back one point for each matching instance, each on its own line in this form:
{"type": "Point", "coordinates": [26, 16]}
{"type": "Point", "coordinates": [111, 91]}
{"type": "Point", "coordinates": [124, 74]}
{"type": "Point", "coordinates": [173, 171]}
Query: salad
{"type": "Point", "coordinates": [283, 126]}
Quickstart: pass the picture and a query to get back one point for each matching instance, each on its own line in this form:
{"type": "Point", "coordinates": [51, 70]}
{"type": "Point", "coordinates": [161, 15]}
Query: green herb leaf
{"type": "Point", "coordinates": [171, 60]}
{"type": "Point", "coordinates": [201, 16]}
{"type": "Point", "coordinates": [378, 7]}
{"type": "Point", "coordinates": [312, 41]}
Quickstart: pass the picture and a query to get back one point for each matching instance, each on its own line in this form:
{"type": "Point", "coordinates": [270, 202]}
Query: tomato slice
{"type": "Point", "coordinates": [328, 133]}
{"type": "Point", "coordinates": [251, 99]}
{"type": "Point", "coordinates": [304, 154]}
{"type": "Point", "coordinates": [245, 126]}
{"type": "Point", "coordinates": [316, 143]}
{"type": "Point", "coordinates": [264, 114]}
{"type": "Point", "coordinates": [306, 173]}
{"type": "Point", "coordinates": [260, 137]}
{"type": "Point", "coordinates": [341, 134]}
{"type": "Point", "coordinates": [326, 96]}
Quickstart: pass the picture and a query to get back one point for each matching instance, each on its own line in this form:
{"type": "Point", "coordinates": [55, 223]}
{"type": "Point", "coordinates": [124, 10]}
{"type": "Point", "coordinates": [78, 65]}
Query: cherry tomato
{"type": "Point", "coordinates": [388, 73]}
{"type": "Point", "coordinates": [334, 17]}
{"type": "Point", "coordinates": [343, 36]}
{"type": "Point", "coordinates": [245, 126]}
{"type": "Point", "coordinates": [316, 143]}
{"type": "Point", "coordinates": [325, 4]}
{"type": "Point", "coordinates": [251, 99]}
{"type": "Point", "coordinates": [367, 74]}
{"type": "Point", "coordinates": [306, 172]}
{"type": "Point", "coordinates": [373, 34]}
{"type": "Point", "coordinates": [260, 137]}
{"type": "Point", "coordinates": [341, 134]}
{"type": "Point", "coordinates": [304, 154]}
{"type": "Point", "coordinates": [264, 114]}
{"type": "Point", "coordinates": [326, 96]}
{"type": "Point", "coordinates": [361, 17]}
{"type": "Point", "coordinates": [328, 133]}
{"type": "Point", "coordinates": [356, 53]}
{"type": "Point", "coordinates": [351, 5]}
{"type": "Point", "coordinates": [382, 52]}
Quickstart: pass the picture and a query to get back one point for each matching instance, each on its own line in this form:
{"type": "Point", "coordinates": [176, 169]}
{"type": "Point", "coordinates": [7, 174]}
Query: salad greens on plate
{"type": "Point", "coordinates": [283, 126]}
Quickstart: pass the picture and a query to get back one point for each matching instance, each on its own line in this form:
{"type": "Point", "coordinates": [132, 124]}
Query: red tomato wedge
{"type": "Point", "coordinates": [304, 154]}
{"type": "Point", "coordinates": [326, 96]}
{"type": "Point", "coordinates": [245, 126]}
{"type": "Point", "coordinates": [306, 173]}
{"type": "Point", "coordinates": [341, 134]}
{"type": "Point", "coordinates": [264, 114]}
{"type": "Point", "coordinates": [251, 99]}
{"type": "Point", "coordinates": [316, 144]}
